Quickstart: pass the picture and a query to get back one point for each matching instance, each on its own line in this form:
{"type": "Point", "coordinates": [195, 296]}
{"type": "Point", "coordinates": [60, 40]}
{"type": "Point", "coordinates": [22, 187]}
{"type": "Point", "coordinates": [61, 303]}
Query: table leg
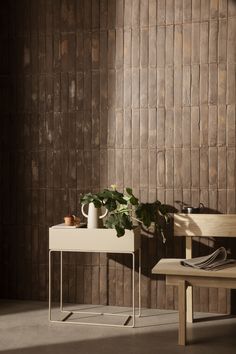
{"type": "Point", "coordinates": [182, 312]}
{"type": "Point", "coordinates": [49, 286]}
{"type": "Point", "coordinates": [133, 274]}
{"type": "Point", "coordinates": [61, 280]}
{"type": "Point", "coordinates": [71, 312]}
{"type": "Point", "coordinates": [190, 304]}
{"type": "Point", "coordinates": [139, 282]}
{"type": "Point", "coordinates": [189, 289]}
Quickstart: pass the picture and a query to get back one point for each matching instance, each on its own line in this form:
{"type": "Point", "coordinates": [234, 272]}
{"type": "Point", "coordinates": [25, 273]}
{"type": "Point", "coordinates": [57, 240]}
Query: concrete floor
{"type": "Point", "coordinates": [24, 329]}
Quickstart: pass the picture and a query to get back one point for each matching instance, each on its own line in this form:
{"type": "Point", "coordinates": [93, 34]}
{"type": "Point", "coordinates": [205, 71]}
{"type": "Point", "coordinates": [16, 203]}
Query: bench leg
{"type": "Point", "coordinates": [182, 312]}
{"type": "Point", "coordinates": [190, 304]}
{"type": "Point", "coordinates": [189, 289]}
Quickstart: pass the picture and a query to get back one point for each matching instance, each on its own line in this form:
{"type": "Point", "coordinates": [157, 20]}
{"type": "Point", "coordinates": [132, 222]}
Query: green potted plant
{"type": "Point", "coordinates": [125, 211]}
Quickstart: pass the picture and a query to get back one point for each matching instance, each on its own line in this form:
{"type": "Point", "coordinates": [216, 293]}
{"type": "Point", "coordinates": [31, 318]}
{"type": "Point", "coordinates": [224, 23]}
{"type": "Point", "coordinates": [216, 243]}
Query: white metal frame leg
{"type": "Point", "coordinates": [70, 312]}
{"type": "Point", "coordinates": [139, 282]}
{"type": "Point", "coordinates": [61, 280]}
{"type": "Point", "coordinates": [133, 292]}
{"type": "Point", "coordinates": [49, 286]}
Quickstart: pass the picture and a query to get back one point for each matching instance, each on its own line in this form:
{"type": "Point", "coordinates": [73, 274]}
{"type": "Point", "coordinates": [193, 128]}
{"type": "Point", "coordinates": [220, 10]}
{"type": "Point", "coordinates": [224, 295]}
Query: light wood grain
{"type": "Point", "coordinates": [182, 311]}
{"type": "Point", "coordinates": [189, 289]}
{"type": "Point", "coordinates": [205, 225]}
{"type": "Point", "coordinates": [172, 266]}
{"type": "Point", "coordinates": [205, 282]}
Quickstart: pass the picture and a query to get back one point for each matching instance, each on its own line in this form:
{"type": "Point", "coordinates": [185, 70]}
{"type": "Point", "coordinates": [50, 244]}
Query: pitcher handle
{"type": "Point", "coordinates": [82, 209]}
{"type": "Point", "coordinates": [102, 216]}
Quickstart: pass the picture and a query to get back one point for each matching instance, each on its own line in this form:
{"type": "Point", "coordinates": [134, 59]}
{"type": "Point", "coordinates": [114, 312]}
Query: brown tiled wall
{"type": "Point", "coordinates": [138, 93]}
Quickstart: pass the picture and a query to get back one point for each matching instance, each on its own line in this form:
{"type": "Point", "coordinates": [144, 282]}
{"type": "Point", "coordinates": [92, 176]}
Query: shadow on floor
{"type": "Point", "coordinates": [156, 332]}
{"type": "Point", "coordinates": [8, 307]}
{"type": "Point", "coordinates": [208, 339]}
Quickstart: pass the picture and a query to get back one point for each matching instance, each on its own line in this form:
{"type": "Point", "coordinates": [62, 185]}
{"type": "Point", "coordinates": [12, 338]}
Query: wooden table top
{"type": "Point", "coordinates": [172, 266]}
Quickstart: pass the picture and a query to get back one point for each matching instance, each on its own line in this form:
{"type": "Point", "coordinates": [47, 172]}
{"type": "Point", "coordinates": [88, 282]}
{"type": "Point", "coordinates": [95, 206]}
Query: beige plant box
{"type": "Point", "coordinates": [93, 240]}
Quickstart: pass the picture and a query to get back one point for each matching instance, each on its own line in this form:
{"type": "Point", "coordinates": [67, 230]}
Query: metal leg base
{"type": "Point", "coordinates": [127, 318]}
{"type": "Point", "coordinates": [69, 313]}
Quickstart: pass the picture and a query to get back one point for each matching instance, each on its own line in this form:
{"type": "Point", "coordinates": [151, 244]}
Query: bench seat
{"type": "Point", "coordinates": [197, 225]}
{"type": "Point", "coordinates": [184, 277]}
{"type": "Point", "coordinates": [172, 266]}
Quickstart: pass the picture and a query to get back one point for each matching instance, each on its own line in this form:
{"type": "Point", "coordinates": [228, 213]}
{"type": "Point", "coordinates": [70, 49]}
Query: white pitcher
{"type": "Point", "coordinates": [93, 216]}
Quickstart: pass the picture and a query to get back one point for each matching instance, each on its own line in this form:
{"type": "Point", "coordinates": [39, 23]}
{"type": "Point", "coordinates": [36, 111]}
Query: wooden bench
{"type": "Point", "coordinates": [203, 225]}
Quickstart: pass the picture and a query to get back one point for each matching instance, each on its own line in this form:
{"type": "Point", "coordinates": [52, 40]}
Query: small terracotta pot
{"type": "Point", "coordinates": [69, 220]}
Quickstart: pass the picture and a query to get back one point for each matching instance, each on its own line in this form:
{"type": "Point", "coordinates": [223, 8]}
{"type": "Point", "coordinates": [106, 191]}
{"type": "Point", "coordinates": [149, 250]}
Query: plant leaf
{"type": "Point", "coordinates": [120, 231]}
{"type": "Point", "coordinates": [129, 191]}
{"type": "Point", "coordinates": [133, 200]}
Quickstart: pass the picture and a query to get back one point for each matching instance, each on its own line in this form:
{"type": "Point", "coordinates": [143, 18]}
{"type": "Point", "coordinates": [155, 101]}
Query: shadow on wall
{"type": "Point", "coordinates": [58, 97]}
{"type": "Point", "coordinates": [153, 248]}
